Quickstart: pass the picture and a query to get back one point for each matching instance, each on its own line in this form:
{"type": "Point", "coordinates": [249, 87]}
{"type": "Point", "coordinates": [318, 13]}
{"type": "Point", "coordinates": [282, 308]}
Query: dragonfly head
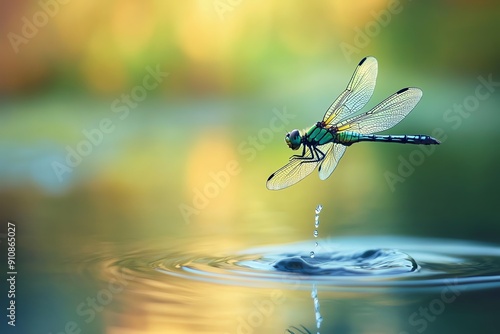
{"type": "Point", "coordinates": [293, 139]}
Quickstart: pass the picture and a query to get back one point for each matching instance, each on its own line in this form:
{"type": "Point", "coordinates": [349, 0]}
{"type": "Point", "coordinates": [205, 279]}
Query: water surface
{"type": "Point", "coordinates": [394, 284]}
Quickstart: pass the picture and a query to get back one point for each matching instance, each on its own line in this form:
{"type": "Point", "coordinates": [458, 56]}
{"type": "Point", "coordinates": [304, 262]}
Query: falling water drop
{"type": "Point", "coordinates": [316, 225]}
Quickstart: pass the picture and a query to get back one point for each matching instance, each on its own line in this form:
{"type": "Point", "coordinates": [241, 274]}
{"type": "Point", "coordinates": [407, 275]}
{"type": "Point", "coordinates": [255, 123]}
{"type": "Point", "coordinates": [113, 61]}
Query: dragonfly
{"type": "Point", "coordinates": [324, 143]}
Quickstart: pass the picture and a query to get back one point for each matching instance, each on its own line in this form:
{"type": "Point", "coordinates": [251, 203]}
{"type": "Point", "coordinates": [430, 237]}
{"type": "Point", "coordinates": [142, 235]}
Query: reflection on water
{"type": "Point", "coordinates": [317, 313]}
{"type": "Point", "coordinates": [163, 286]}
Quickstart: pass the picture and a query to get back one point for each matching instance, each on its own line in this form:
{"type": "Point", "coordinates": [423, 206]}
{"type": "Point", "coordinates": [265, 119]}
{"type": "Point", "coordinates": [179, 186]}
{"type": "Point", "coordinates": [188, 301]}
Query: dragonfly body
{"type": "Point", "coordinates": [325, 142]}
{"type": "Point", "coordinates": [318, 134]}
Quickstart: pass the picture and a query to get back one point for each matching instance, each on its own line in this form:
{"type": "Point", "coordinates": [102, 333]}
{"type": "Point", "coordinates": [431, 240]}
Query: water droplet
{"type": "Point", "coordinates": [318, 209]}
{"type": "Point", "coordinates": [316, 225]}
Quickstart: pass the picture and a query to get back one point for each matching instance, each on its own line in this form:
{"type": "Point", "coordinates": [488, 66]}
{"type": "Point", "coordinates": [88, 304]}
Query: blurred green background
{"type": "Point", "coordinates": [175, 112]}
{"type": "Point", "coordinates": [223, 67]}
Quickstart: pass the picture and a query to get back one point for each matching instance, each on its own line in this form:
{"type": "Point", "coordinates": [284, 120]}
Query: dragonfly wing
{"type": "Point", "coordinates": [358, 91]}
{"type": "Point", "coordinates": [332, 157]}
{"type": "Point", "coordinates": [386, 114]}
{"type": "Point", "coordinates": [295, 170]}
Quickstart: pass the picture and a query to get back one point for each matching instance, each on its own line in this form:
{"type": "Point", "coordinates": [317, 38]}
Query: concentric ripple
{"type": "Point", "coordinates": [339, 264]}
{"type": "Point", "coordinates": [347, 263]}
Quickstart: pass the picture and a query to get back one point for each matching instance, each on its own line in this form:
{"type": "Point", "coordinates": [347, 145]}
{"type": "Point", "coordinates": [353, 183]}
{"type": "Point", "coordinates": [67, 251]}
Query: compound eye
{"type": "Point", "coordinates": [295, 139]}
{"type": "Point", "coordinates": [287, 140]}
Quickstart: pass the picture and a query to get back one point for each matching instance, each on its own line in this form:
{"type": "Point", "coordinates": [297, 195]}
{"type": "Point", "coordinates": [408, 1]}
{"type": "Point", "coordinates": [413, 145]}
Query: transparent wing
{"type": "Point", "coordinates": [295, 170]}
{"type": "Point", "coordinates": [332, 157]}
{"type": "Point", "coordinates": [386, 114]}
{"type": "Point", "coordinates": [358, 91]}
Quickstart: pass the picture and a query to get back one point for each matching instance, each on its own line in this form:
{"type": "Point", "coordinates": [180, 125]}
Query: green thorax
{"type": "Point", "coordinates": [319, 135]}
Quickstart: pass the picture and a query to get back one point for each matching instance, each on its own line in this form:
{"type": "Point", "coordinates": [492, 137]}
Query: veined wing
{"type": "Point", "coordinates": [386, 114]}
{"type": "Point", "coordinates": [332, 157]}
{"type": "Point", "coordinates": [358, 91]}
{"type": "Point", "coordinates": [295, 170]}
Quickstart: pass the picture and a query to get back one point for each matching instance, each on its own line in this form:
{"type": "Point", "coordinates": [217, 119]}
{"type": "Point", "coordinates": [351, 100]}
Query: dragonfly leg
{"type": "Point", "coordinates": [299, 330]}
{"type": "Point", "coordinates": [316, 155]}
{"type": "Point", "coordinates": [302, 155]}
{"type": "Point", "coordinates": [319, 153]}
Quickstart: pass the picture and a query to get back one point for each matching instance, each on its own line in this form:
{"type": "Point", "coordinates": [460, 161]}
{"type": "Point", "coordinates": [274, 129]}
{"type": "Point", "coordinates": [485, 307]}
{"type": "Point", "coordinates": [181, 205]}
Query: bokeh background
{"type": "Point", "coordinates": [225, 70]}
